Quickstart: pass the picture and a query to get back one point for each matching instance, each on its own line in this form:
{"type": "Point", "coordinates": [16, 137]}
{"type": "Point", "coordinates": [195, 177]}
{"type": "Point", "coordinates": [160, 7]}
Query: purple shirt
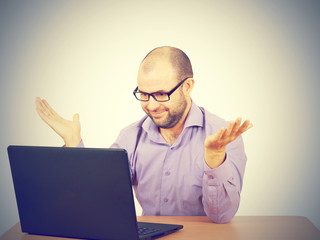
{"type": "Point", "coordinates": [175, 179]}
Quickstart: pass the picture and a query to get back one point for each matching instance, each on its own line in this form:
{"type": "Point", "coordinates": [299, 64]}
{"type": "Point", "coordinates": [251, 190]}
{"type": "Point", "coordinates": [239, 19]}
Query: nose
{"type": "Point", "coordinates": [152, 104]}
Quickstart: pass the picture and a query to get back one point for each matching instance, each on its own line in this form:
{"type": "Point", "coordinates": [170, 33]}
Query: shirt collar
{"type": "Point", "coordinates": [194, 118]}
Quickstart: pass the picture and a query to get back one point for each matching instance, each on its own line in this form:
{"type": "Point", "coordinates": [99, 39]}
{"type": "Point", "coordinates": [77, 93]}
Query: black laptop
{"type": "Point", "coordinates": [79, 193]}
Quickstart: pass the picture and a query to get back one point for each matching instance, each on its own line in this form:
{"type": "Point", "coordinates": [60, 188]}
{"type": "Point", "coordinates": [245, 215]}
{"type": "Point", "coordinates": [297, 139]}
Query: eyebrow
{"type": "Point", "coordinates": [160, 91]}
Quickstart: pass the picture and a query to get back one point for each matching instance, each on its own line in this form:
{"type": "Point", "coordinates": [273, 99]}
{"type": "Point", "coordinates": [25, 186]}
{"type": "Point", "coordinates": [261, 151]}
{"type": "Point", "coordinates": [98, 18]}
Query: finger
{"type": "Point", "coordinates": [42, 115]}
{"type": "Point", "coordinates": [236, 126]}
{"type": "Point", "coordinates": [37, 99]}
{"type": "Point", "coordinates": [42, 106]}
{"type": "Point", "coordinates": [44, 112]}
{"type": "Point", "coordinates": [48, 107]}
{"type": "Point", "coordinates": [38, 103]}
{"type": "Point", "coordinates": [228, 130]}
{"type": "Point", "coordinates": [249, 126]}
{"type": "Point", "coordinates": [76, 117]}
{"type": "Point", "coordinates": [220, 133]}
{"type": "Point", "coordinates": [214, 140]}
{"type": "Point", "coordinates": [244, 127]}
{"type": "Point", "coordinates": [47, 110]}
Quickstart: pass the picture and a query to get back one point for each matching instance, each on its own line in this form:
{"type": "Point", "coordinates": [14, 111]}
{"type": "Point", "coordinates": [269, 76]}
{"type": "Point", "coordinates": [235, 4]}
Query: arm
{"type": "Point", "coordinates": [69, 131]}
{"type": "Point", "coordinates": [224, 169]}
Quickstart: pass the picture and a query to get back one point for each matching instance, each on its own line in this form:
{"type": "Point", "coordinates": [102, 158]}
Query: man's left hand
{"type": "Point", "coordinates": [215, 145]}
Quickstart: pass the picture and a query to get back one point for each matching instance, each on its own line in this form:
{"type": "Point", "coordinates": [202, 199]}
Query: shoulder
{"type": "Point", "coordinates": [133, 128]}
{"type": "Point", "coordinates": [129, 135]}
{"type": "Point", "coordinates": [212, 122]}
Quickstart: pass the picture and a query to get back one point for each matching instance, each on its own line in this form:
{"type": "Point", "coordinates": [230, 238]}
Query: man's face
{"type": "Point", "coordinates": [162, 79]}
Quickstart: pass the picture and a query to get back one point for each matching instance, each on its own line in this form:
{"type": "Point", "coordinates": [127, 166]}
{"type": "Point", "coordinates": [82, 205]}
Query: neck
{"type": "Point", "coordinates": [171, 134]}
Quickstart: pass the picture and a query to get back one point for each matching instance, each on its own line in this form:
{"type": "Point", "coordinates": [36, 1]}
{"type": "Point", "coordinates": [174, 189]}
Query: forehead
{"type": "Point", "coordinates": [159, 77]}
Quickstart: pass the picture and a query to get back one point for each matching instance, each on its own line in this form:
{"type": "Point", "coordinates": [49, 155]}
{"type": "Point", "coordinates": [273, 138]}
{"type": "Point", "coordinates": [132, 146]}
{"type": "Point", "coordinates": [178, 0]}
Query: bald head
{"type": "Point", "coordinates": [174, 57]}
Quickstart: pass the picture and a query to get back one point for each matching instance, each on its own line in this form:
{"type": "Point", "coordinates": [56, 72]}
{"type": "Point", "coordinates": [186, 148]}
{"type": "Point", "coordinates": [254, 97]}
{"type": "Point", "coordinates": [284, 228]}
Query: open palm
{"type": "Point", "coordinates": [69, 130]}
{"type": "Point", "coordinates": [215, 145]}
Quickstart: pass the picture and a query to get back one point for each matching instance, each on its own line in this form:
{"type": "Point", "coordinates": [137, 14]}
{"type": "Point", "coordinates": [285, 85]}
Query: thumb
{"type": "Point", "coordinates": [76, 117]}
{"type": "Point", "coordinates": [214, 140]}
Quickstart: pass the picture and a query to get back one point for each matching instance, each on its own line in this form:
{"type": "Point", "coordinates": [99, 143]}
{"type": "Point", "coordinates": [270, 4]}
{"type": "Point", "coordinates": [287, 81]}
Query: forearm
{"type": "Point", "coordinates": [222, 186]}
{"type": "Point", "coordinates": [221, 194]}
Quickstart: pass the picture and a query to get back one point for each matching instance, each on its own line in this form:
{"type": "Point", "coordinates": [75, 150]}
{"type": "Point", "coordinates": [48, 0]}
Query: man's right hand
{"type": "Point", "coordinates": [68, 130]}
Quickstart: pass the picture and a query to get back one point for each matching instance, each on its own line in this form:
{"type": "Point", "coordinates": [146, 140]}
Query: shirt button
{"type": "Point", "coordinates": [167, 173]}
{"type": "Point", "coordinates": [165, 199]}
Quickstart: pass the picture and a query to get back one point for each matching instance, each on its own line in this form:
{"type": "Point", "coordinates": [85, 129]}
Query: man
{"type": "Point", "coordinates": [183, 160]}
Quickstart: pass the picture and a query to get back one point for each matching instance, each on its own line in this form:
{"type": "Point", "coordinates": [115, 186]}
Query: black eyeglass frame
{"type": "Point", "coordinates": [151, 94]}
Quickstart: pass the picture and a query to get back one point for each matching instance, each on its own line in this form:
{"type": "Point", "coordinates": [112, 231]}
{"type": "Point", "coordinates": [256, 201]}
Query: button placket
{"type": "Point", "coordinates": [165, 182]}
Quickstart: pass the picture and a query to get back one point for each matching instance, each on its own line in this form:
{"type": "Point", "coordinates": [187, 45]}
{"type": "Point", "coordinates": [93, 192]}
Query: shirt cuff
{"type": "Point", "coordinates": [80, 145]}
{"type": "Point", "coordinates": [219, 175]}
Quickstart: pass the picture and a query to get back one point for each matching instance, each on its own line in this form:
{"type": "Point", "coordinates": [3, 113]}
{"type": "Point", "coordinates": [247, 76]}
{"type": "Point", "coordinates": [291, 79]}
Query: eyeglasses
{"type": "Point", "coordinates": [158, 96]}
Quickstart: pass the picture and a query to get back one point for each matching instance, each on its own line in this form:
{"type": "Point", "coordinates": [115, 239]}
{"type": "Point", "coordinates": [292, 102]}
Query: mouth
{"type": "Point", "coordinates": [157, 115]}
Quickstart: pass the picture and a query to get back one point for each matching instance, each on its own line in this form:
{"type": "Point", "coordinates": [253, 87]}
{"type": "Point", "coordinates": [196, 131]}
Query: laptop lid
{"type": "Point", "coordinates": [76, 192]}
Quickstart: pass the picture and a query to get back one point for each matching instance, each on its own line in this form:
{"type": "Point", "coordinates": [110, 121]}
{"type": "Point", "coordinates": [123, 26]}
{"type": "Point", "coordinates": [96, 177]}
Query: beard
{"type": "Point", "coordinates": [173, 115]}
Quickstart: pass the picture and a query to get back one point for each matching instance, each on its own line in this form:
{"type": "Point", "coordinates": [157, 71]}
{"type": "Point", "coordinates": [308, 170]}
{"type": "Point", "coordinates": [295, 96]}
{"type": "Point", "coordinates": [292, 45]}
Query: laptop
{"type": "Point", "coordinates": [81, 193]}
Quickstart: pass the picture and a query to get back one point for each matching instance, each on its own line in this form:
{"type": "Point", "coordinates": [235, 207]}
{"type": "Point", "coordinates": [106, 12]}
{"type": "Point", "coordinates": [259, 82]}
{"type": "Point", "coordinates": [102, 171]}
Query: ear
{"type": "Point", "coordinates": [188, 86]}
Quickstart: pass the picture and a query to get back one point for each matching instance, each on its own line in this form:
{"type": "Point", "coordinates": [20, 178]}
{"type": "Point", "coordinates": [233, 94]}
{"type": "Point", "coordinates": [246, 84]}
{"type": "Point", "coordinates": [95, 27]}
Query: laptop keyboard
{"type": "Point", "coordinates": [145, 230]}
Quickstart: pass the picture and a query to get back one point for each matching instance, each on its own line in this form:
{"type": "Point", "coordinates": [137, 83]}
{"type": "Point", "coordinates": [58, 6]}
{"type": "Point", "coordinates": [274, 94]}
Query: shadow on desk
{"type": "Point", "coordinates": [201, 228]}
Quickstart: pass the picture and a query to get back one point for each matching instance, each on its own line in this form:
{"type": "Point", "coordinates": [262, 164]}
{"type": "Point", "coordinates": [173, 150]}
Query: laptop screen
{"type": "Point", "coordinates": [77, 192]}
{"type": "Point", "coordinates": [74, 192]}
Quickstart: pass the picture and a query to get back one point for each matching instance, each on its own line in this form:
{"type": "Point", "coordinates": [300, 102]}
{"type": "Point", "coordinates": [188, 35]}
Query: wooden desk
{"type": "Point", "coordinates": [200, 228]}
